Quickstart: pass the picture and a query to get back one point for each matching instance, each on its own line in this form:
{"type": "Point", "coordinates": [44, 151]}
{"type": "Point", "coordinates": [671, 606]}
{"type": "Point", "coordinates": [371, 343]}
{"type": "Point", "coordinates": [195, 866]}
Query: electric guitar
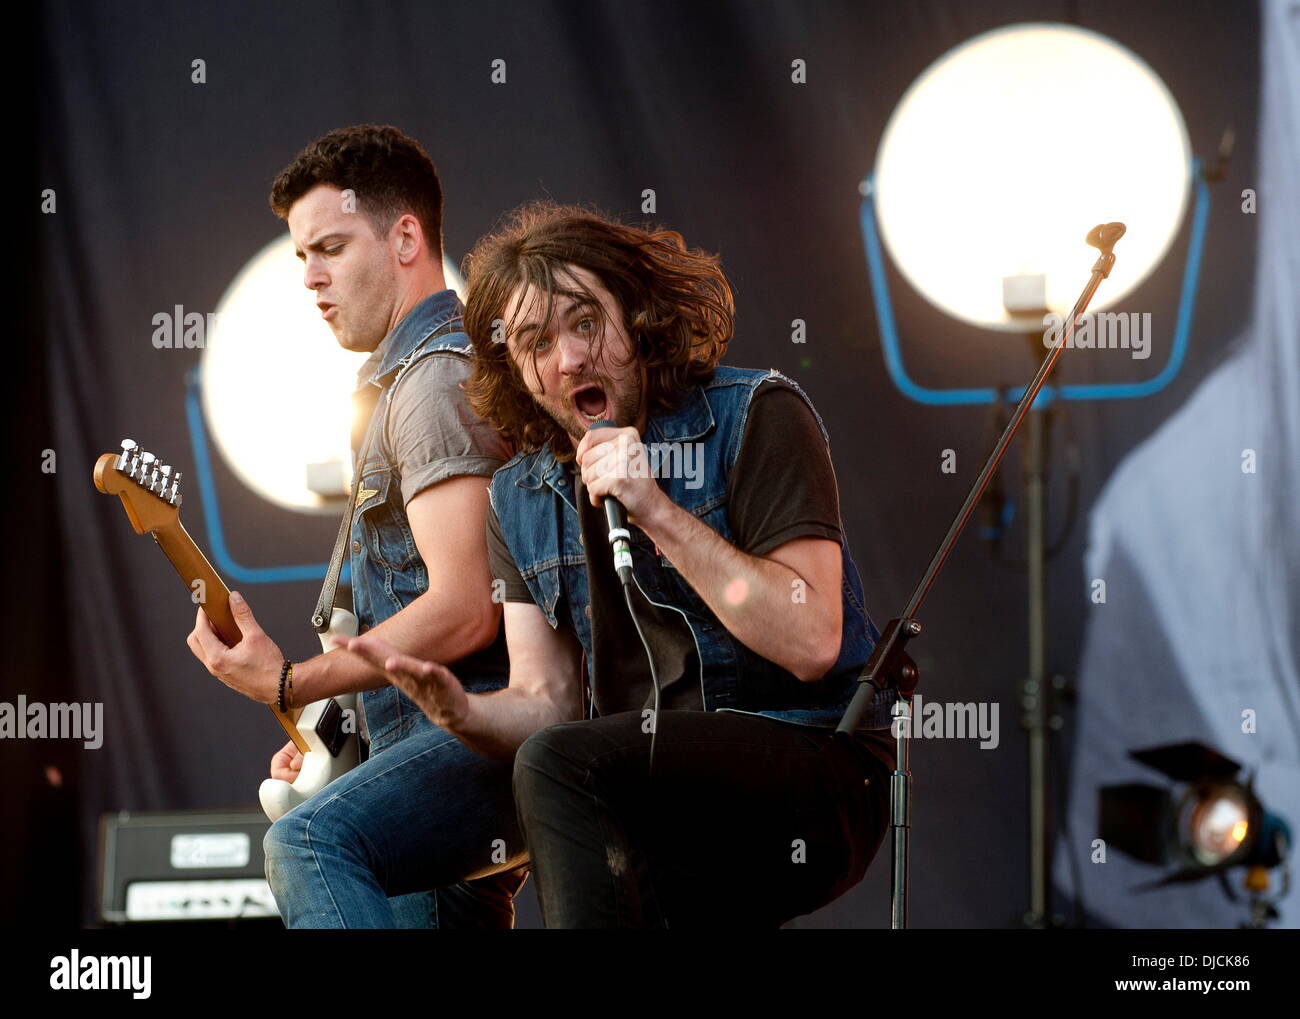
{"type": "Point", "coordinates": [325, 730]}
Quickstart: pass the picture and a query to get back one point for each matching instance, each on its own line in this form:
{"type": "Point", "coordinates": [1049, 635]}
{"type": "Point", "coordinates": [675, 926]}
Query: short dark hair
{"type": "Point", "coordinates": [676, 303]}
{"type": "Point", "coordinates": [389, 172]}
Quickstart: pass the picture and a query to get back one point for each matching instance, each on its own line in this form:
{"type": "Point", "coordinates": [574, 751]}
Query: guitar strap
{"type": "Point", "coordinates": [320, 618]}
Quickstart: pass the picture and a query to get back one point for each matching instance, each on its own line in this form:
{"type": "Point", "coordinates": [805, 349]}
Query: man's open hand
{"type": "Point", "coordinates": [434, 688]}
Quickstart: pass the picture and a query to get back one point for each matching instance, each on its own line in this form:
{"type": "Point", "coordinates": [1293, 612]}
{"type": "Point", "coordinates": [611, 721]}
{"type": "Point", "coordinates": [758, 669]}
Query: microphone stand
{"type": "Point", "coordinates": [889, 664]}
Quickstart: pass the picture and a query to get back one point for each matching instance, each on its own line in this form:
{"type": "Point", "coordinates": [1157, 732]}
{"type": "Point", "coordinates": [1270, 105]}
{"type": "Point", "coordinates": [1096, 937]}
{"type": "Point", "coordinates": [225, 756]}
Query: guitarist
{"type": "Point", "coordinates": [423, 833]}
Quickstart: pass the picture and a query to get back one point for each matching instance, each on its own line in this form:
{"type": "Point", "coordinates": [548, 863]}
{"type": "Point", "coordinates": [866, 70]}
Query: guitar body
{"type": "Point", "coordinates": [325, 731]}
{"type": "Point", "coordinates": [320, 767]}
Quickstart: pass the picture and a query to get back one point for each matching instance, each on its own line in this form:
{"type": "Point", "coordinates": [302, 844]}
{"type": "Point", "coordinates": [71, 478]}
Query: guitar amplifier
{"type": "Point", "coordinates": [183, 866]}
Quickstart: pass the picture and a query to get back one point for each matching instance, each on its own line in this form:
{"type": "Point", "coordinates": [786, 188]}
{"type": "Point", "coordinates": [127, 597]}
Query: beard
{"type": "Point", "coordinates": [622, 406]}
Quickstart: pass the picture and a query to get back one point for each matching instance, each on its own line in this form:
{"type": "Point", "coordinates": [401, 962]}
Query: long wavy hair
{"type": "Point", "coordinates": [676, 303]}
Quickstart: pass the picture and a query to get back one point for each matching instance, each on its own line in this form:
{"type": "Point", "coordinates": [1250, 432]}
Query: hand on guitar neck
{"type": "Point", "coordinates": [252, 666]}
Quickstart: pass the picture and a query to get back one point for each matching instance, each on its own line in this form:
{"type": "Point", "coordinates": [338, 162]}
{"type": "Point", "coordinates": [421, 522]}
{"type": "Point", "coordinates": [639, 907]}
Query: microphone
{"type": "Point", "coordinates": [620, 538]}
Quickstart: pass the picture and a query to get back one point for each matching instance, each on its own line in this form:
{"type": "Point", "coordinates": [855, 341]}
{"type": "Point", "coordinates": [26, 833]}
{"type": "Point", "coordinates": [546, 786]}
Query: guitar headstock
{"type": "Point", "coordinates": [150, 490]}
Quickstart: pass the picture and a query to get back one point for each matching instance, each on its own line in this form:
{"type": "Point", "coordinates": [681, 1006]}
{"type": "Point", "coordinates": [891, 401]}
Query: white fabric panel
{"type": "Point", "coordinates": [1202, 562]}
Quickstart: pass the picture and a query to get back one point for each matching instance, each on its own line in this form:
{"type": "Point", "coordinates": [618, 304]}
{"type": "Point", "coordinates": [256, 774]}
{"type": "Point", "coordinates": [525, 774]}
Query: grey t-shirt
{"type": "Point", "coordinates": [432, 434]}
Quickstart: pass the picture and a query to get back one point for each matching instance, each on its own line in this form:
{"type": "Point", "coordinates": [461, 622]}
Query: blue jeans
{"type": "Point", "coordinates": [423, 834]}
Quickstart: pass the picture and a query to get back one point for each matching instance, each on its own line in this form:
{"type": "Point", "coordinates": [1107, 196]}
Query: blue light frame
{"type": "Point", "coordinates": [1093, 391]}
{"type": "Point", "coordinates": [207, 489]}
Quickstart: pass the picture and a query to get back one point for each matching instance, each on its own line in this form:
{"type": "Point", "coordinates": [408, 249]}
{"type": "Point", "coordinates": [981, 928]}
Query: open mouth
{"type": "Point", "coordinates": [590, 403]}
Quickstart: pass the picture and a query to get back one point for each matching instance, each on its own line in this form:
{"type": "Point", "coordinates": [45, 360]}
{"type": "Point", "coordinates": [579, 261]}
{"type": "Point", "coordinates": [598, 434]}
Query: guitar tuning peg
{"type": "Point", "coordinates": [128, 451]}
{"type": "Point", "coordinates": [174, 496]}
{"type": "Point", "coordinates": [164, 477]}
{"type": "Point", "coordinates": [145, 468]}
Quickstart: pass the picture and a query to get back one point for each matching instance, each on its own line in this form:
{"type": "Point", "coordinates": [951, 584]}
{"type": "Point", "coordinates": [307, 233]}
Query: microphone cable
{"type": "Point", "coordinates": [620, 541]}
{"type": "Point", "coordinates": [654, 672]}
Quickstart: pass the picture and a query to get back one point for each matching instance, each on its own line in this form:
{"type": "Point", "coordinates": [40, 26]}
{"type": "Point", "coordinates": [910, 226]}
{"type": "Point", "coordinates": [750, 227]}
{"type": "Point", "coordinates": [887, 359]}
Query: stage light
{"type": "Point", "coordinates": [1009, 147]}
{"type": "Point", "coordinates": [1215, 824]}
{"type": "Point", "coordinates": [993, 167]}
{"type": "Point", "coordinates": [276, 385]}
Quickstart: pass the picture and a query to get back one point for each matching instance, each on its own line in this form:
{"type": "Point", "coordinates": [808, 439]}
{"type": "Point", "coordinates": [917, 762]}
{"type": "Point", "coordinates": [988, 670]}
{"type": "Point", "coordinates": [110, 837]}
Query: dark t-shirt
{"type": "Point", "coordinates": [782, 487]}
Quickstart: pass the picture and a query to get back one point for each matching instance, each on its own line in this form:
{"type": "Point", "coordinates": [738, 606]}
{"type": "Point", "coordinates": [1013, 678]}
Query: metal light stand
{"type": "Point", "coordinates": [1035, 695]}
{"type": "Point", "coordinates": [889, 664]}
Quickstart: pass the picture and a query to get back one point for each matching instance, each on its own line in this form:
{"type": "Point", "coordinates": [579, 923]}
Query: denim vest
{"type": "Point", "coordinates": [387, 570]}
{"type": "Point", "coordinates": [534, 502]}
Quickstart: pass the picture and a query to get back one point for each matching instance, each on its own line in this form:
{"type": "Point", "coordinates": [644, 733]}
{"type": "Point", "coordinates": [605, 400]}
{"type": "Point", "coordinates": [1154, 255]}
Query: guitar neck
{"type": "Point", "coordinates": [208, 589]}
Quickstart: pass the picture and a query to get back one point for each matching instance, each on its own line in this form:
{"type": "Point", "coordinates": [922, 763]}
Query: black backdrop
{"type": "Point", "coordinates": [162, 186]}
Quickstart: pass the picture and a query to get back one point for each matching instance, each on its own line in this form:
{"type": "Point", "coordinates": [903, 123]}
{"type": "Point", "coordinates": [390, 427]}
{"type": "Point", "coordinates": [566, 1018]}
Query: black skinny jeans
{"type": "Point", "coordinates": [746, 821]}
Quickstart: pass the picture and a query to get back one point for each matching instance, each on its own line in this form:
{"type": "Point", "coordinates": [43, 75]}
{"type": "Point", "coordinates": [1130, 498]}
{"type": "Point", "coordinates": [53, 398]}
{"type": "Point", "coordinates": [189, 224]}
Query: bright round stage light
{"type": "Point", "coordinates": [276, 386]}
{"type": "Point", "coordinates": [1216, 824]}
{"type": "Point", "coordinates": [1007, 150]}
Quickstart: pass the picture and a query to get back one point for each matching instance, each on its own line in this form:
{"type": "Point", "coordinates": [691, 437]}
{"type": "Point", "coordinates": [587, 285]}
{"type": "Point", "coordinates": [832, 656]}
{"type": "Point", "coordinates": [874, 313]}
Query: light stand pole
{"type": "Point", "coordinates": [889, 665]}
{"type": "Point", "coordinates": [1034, 693]}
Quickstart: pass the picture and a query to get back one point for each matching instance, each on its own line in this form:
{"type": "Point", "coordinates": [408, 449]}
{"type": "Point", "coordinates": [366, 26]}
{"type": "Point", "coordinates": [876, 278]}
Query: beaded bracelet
{"type": "Point", "coordinates": [286, 673]}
